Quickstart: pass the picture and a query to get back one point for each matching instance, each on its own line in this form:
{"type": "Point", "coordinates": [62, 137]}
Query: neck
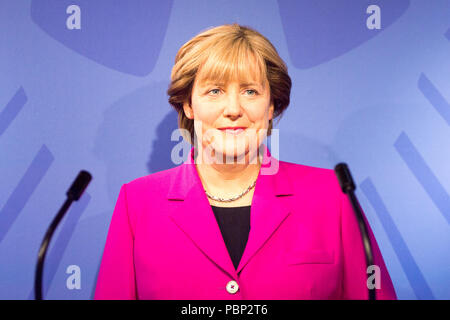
{"type": "Point", "coordinates": [228, 178]}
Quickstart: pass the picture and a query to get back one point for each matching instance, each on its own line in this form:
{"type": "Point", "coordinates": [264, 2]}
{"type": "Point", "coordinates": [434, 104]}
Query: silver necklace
{"type": "Point", "coordinates": [232, 198]}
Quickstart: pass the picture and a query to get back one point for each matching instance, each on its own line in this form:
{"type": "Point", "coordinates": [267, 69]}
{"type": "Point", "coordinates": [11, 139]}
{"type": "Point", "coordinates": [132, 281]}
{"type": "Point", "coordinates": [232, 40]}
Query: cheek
{"type": "Point", "coordinates": [258, 114]}
{"type": "Point", "coordinates": [259, 110]}
{"type": "Point", "coordinates": [205, 113]}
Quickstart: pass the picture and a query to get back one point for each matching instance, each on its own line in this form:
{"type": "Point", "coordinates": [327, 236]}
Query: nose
{"type": "Point", "coordinates": [233, 108]}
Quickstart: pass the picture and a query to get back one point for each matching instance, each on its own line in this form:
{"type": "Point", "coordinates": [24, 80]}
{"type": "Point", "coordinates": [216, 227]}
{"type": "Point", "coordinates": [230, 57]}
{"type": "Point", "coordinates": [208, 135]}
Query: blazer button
{"type": "Point", "coordinates": [232, 287]}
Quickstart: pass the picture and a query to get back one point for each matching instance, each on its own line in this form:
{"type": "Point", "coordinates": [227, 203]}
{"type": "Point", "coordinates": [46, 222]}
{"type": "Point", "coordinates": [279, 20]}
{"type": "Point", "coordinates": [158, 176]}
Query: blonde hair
{"type": "Point", "coordinates": [223, 53]}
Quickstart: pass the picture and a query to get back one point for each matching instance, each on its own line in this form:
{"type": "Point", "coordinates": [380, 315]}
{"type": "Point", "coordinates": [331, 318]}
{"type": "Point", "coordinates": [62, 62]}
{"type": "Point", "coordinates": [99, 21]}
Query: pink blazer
{"type": "Point", "coordinates": [304, 243]}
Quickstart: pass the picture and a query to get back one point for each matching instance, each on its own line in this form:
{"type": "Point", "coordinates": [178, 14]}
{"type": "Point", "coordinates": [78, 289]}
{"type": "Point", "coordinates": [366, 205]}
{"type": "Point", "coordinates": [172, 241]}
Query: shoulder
{"type": "Point", "coordinates": [320, 183]}
{"type": "Point", "coordinates": [155, 182]}
{"type": "Point", "coordinates": [317, 195]}
{"type": "Point", "coordinates": [304, 172]}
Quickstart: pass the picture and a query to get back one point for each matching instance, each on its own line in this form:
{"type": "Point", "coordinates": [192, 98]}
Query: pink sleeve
{"type": "Point", "coordinates": [116, 277]}
{"type": "Point", "coordinates": [355, 276]}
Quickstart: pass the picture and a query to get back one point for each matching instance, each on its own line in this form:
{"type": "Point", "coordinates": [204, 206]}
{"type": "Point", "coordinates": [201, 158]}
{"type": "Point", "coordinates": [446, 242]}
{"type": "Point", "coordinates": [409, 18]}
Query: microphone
{"type": "Point", "coordinates": [348, 187]}
{"type": "Point", "coordinates": [73, 194]}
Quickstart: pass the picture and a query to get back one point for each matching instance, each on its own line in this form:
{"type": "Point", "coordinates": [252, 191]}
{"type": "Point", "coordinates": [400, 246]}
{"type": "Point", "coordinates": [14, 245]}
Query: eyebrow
{"type": "Point", "coordinates": [246, 84]}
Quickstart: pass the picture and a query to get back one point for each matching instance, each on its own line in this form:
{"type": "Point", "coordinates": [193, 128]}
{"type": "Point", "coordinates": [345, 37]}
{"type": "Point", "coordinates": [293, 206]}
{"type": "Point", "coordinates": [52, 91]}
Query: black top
{"type": "Point", "coordinates": [234, 224]}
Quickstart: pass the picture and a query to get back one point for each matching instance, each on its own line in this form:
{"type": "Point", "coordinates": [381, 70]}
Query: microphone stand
{"type": "Point", "coordinates": [348, 187]}
{"type": "Point", "coordinates": [73, 194]}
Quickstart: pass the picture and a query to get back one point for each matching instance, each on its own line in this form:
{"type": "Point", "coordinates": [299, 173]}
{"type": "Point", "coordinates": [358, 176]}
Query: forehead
{"type": "Point", "coordinates": [224, 68]}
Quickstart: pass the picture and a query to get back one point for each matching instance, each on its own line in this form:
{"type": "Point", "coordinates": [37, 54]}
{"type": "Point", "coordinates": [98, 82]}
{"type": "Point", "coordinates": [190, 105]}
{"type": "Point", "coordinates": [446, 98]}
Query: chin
{"type": "Point", "coordinates": [232, 155]}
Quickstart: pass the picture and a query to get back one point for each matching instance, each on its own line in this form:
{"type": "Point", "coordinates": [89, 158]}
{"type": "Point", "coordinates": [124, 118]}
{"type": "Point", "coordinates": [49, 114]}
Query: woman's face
{"type": "Point", "coordinates": [216, 106]}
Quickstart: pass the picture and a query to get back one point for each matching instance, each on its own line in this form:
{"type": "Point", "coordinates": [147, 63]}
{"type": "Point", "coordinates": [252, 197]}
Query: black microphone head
{"type": "Point", "coordinates": [79, 185]}
{"type": "Point", "coordinates": [345, 178]}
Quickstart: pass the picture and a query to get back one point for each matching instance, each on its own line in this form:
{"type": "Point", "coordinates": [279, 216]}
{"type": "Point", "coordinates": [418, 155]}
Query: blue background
{"type": "Point", "coordinates": [95, 99]}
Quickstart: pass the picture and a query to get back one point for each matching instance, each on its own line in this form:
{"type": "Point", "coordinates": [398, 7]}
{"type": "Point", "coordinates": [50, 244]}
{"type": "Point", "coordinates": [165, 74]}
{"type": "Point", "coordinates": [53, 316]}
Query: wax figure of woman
{"type": "Point", "coordinates": [232, 221]}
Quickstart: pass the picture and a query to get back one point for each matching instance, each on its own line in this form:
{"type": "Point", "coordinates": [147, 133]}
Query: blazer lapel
{"type": "Point", "coordinates": [191, 211]}
{"type": "Point", "coordinates": [269, 206]}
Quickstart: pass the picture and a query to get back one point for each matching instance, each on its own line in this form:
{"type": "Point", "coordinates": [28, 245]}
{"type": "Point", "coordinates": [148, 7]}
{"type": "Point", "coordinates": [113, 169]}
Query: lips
{"type": "Point", "coordinates": [233, 130]}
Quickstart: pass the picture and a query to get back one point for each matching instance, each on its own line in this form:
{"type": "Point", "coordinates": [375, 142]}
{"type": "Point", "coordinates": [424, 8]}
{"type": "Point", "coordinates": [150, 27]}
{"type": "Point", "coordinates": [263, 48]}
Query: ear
{"type": "Point", "coordinates": [188, 110]}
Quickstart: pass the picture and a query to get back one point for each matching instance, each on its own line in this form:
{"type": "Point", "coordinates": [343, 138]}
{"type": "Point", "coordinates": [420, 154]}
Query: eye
{"type": "Point", "coordinates": [251, 92]}
{"type": "Point", "coordinates": [215, 91]}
